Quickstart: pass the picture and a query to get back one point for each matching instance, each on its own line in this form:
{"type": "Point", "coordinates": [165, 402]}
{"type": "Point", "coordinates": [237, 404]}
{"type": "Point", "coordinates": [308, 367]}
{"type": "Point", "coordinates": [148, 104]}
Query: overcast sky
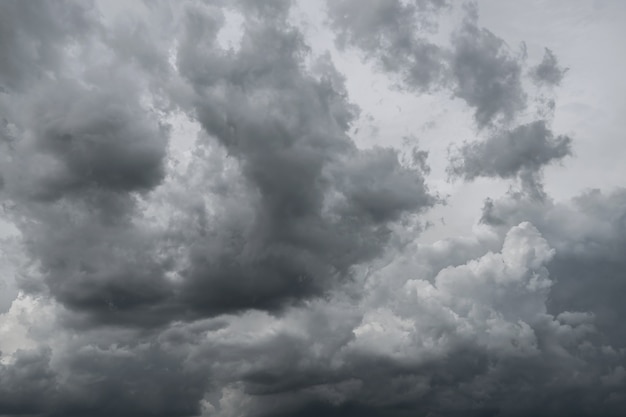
{"type": "Point", "coordinates": [312, 208]}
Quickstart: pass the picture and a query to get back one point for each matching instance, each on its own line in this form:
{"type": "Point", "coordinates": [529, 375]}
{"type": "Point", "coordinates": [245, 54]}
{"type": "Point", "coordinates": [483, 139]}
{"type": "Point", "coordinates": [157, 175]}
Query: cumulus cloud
{"type": "Point", "coordinates": [588, 236]}
{"type": "Point", "coordinates": [318, 204]}
{"type": "Point", "coordinates": [197, 233]}
{"type": "Point", "coordinates": [475, 337]}
{"type": "Point", "coordinates": [323, 205]}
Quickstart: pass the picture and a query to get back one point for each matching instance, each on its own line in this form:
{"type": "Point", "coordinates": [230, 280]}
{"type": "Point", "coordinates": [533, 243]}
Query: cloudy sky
{"type": "Point", "coordinates": [312, 208]}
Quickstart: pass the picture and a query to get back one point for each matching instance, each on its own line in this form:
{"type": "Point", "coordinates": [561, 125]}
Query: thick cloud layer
{"type": "Point", "coordinates": [477, 338]}
{"type": "Point", "coordinates": [34, 34]}
{"type": "Point", "coordinates": [323, 205]}
{"type": "Point", "coordinates": [317, 204]}
{"type": "Point", "coordinates": [197, 234]}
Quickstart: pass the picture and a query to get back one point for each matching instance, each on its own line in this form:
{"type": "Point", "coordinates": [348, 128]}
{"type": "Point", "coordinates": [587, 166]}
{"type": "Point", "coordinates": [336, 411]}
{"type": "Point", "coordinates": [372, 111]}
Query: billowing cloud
{"type": "Point", "coordinates": [321, 204]}
{"type": "Point", "coordinates": [473, 337]}
{"type": "Point", "coordinates": [196, 233]}
{"type": "Point", "coordinates": [81, 138]}
{"type": "Point", "coordinates": [317, 204]}
{"type": "Point", "coordinates": [588, 236]}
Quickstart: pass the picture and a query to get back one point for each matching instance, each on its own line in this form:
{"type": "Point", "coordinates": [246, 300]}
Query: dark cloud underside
{"type": "Point", "coordinates": [318, 204]}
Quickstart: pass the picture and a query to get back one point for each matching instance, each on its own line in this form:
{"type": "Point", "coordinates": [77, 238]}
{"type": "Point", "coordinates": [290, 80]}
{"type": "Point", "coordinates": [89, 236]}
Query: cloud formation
{"type": "Point", "coordinates": [548, 71]}
{"type": "Point", "coordinates": [477, 67]}
{"type": "Point", "coordinates": [588, 236]}
{"type": "Point", "coordinates": [388, 33]}
{"type": "Point", "coordinates": [321, 204]}
{"type": "Point", "coordinates": [198, 234]}
{"type": "Point", "coordinates": [317, 203]}
{"type": "Point", "coordinates": [520, 152]}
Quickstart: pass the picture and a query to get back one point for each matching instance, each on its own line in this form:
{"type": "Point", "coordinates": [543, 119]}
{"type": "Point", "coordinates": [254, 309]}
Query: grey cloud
{"type": "Point", "coordinates": [386, 32]}
{"type": "Point", "coordinates": [25, 385]}
{"type": "Point", "coordinates": [92, 149]}
{"type": "Point", "coordinates": [316, 204]}
{"type": "Point", "coordinates": [90, 138]}
{"type": "Point", "coordinates": [548, 71]}
{"type": "Point", "coordinates": [487, 76]}
{"type": "Point", "coordinates": [520, 152]}
{"type": "Point", "coordinates": [94, 378]}
{"type": "Point", "coordinates": [588, 236]}
{"type": "Point", "coordinates": [377, 186]}
{"type": "Point", "coordinates": [33, 36]}
{"type": "Point", "coordinates": [475, 338]}
{"type": "Point", "coordinates": [268, 272]}
{"type": "Point", "coordinates": [103, 268]}
{"type": "Point", "coordinates": [272, 9]}
{"type": "Point", "coordinates": [318, 212]}
{"type": "Point", "coordinates": [479, 67]}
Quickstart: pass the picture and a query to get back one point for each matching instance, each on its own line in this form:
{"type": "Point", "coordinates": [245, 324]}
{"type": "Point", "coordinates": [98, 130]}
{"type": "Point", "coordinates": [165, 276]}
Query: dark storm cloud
{"type": "Point", "coordinates": [472, 339]}
{"type": "Point", "coordinates": [548, 71]}
{"type": "Point", "coordinates": [132, 377]}
{"type": "Point", "coordinates": [86, 138]}
{"type": "Point", "coordinates": [520, 152]}
{"type": "Point", "coordinates": [317, 205]}
{"type": "Point", "coordinates": [267, 271]}
{"type": "Point", "coordinates": [91, 149]}
{"type": "Point", "coordinates": [476, 338]}
{"type": "Point", "coordinates": [25, 386]}
{"type": "Point", "coordinates": [323, 205]}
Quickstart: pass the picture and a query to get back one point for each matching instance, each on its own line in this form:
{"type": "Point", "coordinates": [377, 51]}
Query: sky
{"type": "Point", "coordinates": [312, 207]}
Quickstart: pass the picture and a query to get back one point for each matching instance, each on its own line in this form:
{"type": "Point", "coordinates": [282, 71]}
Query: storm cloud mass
{"type": "Point", "coordinates": [192, 224]}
